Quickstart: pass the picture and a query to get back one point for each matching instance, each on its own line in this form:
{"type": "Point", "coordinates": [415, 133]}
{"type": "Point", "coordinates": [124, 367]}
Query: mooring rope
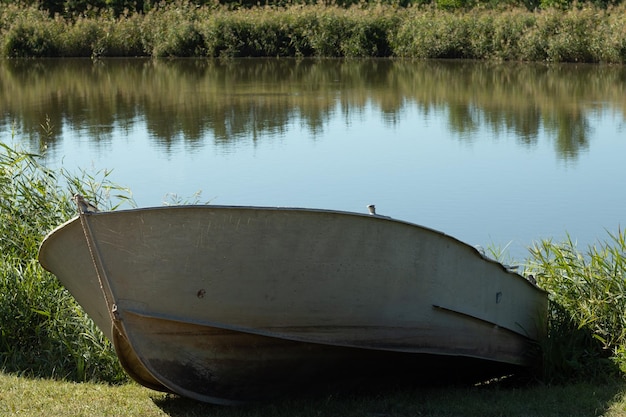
{"type": "Point", "coordinates": [84, 210]}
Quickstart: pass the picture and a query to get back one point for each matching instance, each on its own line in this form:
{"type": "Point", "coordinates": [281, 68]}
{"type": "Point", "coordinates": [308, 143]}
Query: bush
{"type": "Point", "coordinates": [432, 34]}
{"type": "Point", "coordinates": [31, 38]}
{"type": "Point", "coordinates": [253, 33]}
{"type": "Point", "coordinates": [509, 29]}
{"type": "Point", "coordinates": [85, 37]}
{"type": "Point", "coordinates": [123, 38]}
{"type": "Point", "coordinates": [572, 37]}
{"type": "Point", "coordinates": [172, 30]}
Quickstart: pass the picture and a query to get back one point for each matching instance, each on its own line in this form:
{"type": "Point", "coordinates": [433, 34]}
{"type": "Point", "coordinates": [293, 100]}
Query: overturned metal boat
{"type": "Point", "coordinates": [233, 304]}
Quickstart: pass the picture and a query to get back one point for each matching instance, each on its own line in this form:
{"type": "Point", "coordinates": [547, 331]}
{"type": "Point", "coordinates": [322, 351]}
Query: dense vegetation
{"type": "Point", "coordinates": [447, 29]}
{"type": "Point", "coordinates": [587, 320]}
{"type": "Point", "coordinates": [44, 332]}
{"type": "Point", "coordinates": [69, 8]}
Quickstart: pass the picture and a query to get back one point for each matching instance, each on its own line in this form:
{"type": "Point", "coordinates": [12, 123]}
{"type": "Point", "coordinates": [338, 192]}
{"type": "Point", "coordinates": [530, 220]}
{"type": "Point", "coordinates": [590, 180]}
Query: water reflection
{"type": "Point", "coordinates": [189, 100]}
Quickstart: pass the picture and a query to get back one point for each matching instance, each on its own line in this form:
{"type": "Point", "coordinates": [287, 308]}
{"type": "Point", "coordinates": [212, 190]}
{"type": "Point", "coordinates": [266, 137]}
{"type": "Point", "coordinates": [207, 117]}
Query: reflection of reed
{"type": "Point", "coordinates": [247, 98]}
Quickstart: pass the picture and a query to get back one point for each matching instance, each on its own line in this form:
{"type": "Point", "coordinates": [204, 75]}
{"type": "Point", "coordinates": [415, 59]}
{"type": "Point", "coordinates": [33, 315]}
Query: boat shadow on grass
{"type": "Point", "coordinates": [510, 397]}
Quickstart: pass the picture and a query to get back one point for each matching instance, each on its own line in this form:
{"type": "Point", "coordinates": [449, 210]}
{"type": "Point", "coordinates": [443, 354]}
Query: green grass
{"type": "Point", "coordinates": [26, 397]}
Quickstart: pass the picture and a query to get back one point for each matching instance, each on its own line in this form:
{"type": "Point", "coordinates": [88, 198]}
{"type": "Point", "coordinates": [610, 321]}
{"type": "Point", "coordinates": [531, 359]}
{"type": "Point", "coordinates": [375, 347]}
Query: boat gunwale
{"type": "Point", "coordinates": [374, 217]}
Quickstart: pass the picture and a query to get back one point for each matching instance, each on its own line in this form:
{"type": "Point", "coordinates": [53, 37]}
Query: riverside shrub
{"type": "Point", "coordinates": [29, 37]}
{"type": "Point", "coordinates": [583, 34]}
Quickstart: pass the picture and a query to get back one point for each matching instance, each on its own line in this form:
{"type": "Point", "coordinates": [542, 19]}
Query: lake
{"type": "Point", "coordinates": [494, 154]}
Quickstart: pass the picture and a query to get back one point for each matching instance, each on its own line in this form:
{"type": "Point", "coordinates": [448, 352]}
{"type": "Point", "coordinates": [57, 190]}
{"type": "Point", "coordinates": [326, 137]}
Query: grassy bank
{"type": "Point", "coordinates": [579, 34]}
{"type": "Point", "coordinates": [35, 397]}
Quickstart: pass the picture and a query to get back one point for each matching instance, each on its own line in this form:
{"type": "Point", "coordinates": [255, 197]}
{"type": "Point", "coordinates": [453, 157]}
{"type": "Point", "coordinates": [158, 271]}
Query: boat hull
{"type": "Point", "coordinates": [218, 303]}
{"type": "Point", "coordinates": [230, 367]}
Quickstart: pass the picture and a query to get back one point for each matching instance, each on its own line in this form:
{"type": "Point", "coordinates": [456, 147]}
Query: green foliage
{"type": "Point", "coordinates": [451, 4]}
{"type": "Point", "coordinates": [43, 331]}
{"type": "Point", "coordinates": [29, 35]}
{"type": "Point", "coordinates": [122, 37]}
{"type": "Point", "coordinates": [578, 35]}
{"type": "Point", "coordinates": [172, 30]}
{"type": "Point", "coordinates": [587, 324]}
{"type": "Point", "coordinates": [572, 36]}
{"type": "Point", "coordinates": [74, 8]}
{"type": "Point", "coordinates": [447, 29]}
{"type": "Point", "coordinates": [509, 29]}
{"type": "Point", "coordinates": [85, 37]}
{"type": "Point", "coordinates": [265, 31]}
{"type": "Point", "coordinates": [354, 32]}
{"type": "Point", "coordinates": [432, 34]}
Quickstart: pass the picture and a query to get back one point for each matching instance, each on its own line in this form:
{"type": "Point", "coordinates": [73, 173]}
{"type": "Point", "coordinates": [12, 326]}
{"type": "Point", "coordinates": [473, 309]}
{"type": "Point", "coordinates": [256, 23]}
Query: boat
{"type": "Point", "coordinates": [236, 304]}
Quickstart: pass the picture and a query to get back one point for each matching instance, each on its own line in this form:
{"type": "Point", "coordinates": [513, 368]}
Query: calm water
{"type": "Point", "coordinates": [493, 154]}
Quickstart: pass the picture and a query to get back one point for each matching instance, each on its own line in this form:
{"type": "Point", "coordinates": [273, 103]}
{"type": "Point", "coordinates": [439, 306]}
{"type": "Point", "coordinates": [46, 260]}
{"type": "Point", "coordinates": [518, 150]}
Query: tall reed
{"type": "Point", "coordinates": [43, 330]}
{"type": "Point", "coordinates": [377, 29]}
{"type": "Point", "coordinates": [587, 322]}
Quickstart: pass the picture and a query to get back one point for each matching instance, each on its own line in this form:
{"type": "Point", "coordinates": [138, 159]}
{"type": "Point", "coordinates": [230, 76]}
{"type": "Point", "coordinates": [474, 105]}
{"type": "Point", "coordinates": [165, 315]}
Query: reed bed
{"type": "Point", "coordinates": [587, 320]}
{"type": "Point", "coordinates": [578, 35]}
{"type": "Point", "coordinates": [44, 332]}
{"type": "Point", "coordinates": [583, 33]}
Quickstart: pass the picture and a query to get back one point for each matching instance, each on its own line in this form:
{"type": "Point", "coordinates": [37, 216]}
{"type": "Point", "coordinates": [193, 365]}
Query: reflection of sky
{"type": "Point", "coordinates": [482, 187]}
